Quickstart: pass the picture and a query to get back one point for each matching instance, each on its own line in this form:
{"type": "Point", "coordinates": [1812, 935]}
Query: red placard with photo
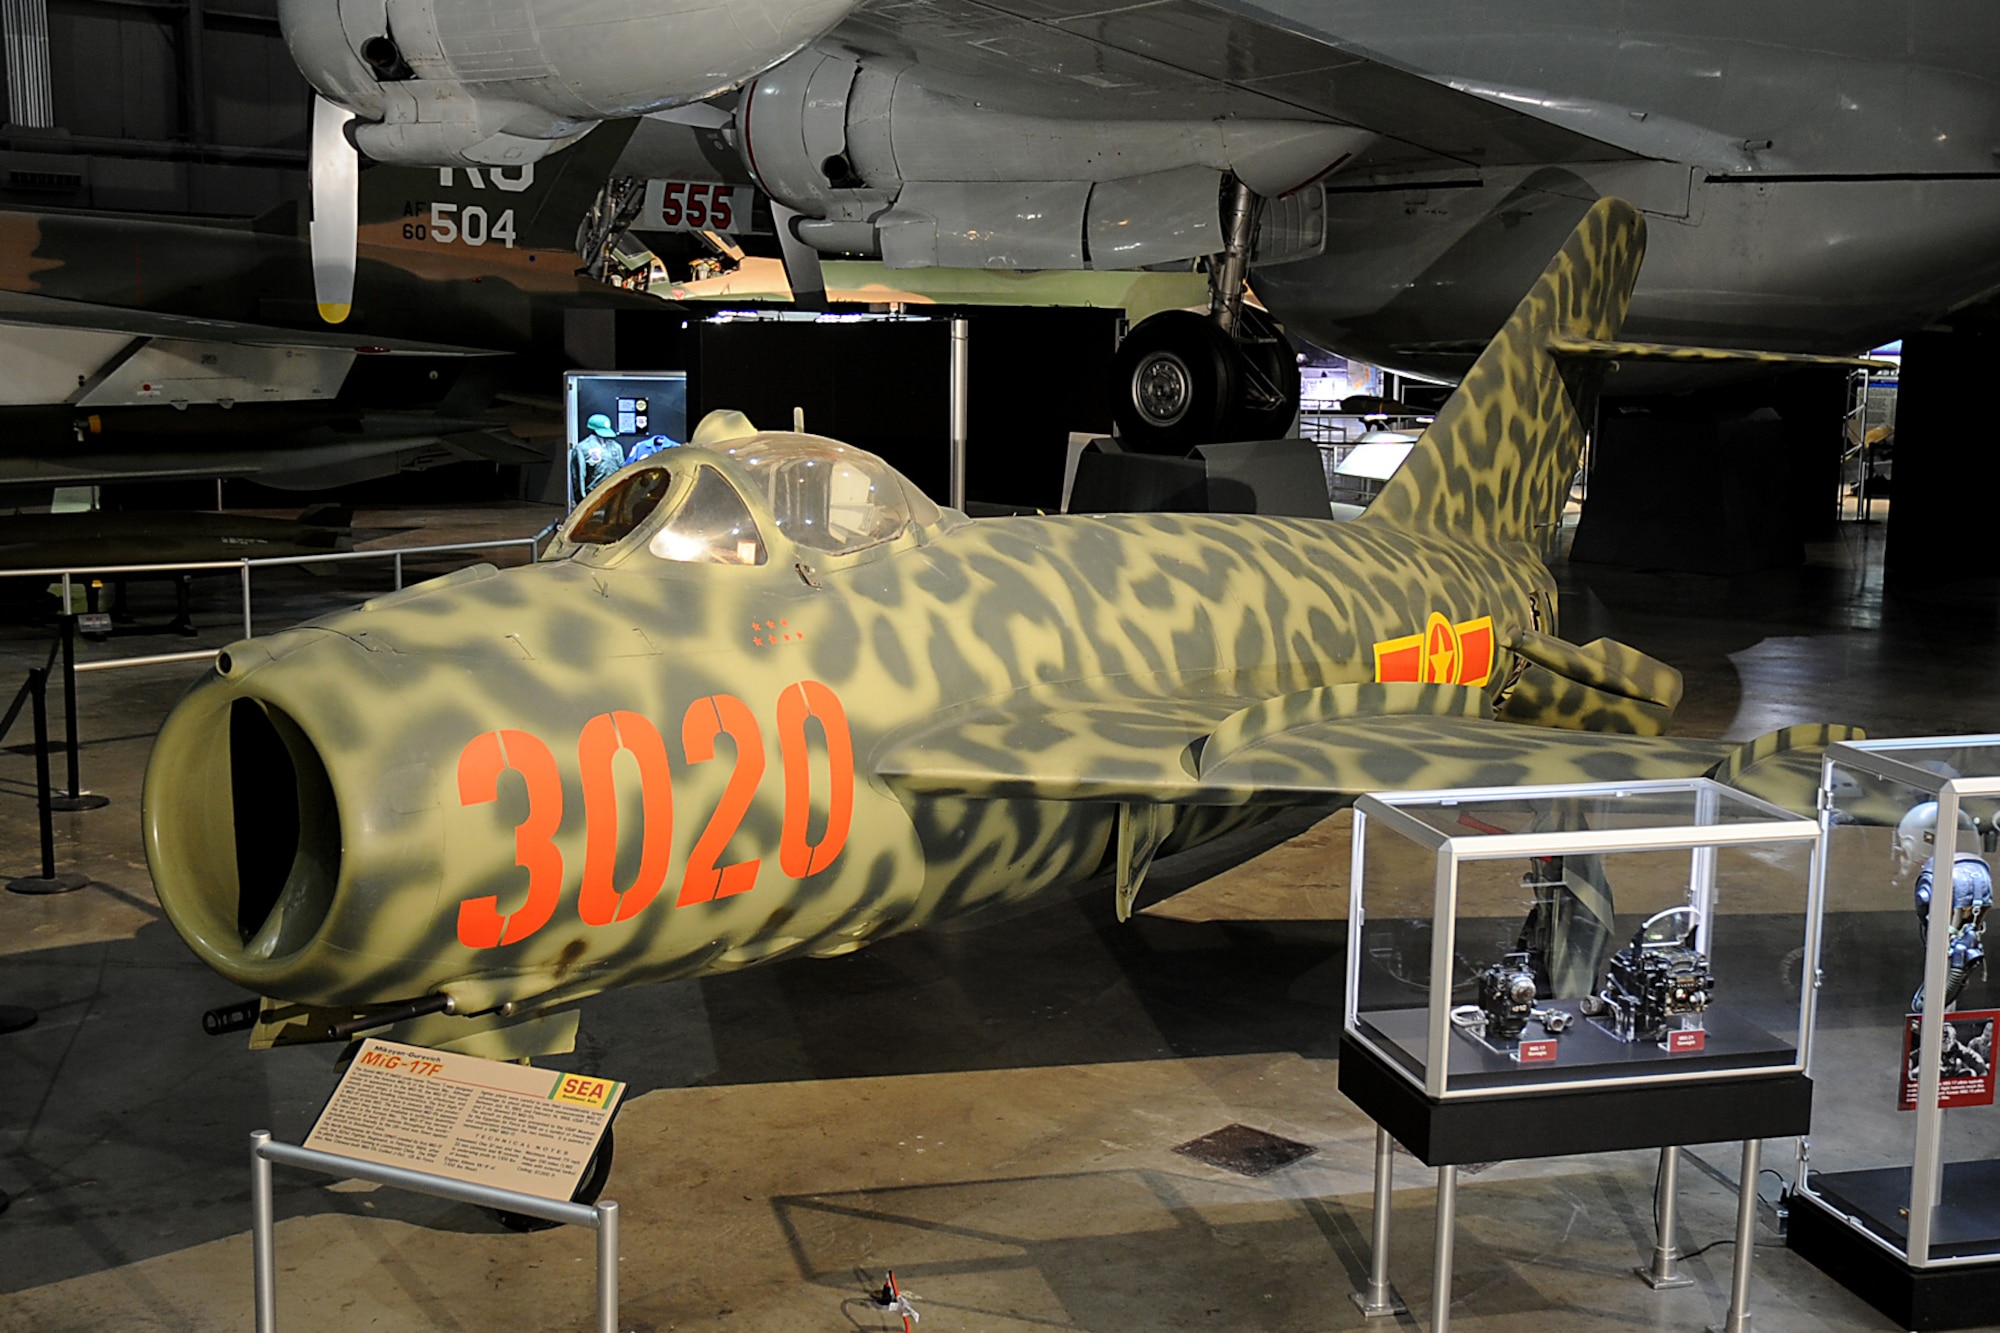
{"type": "Point", "coordinates": [1966, 1078]}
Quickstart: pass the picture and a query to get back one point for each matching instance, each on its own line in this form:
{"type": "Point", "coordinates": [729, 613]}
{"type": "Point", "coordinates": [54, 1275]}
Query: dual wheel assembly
{"type": "Point", "coordinates": [1180, 379]}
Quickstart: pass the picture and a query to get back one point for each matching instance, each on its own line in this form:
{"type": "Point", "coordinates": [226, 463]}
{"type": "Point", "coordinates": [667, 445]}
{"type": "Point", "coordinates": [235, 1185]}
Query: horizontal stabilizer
{"type": "Point", "coordinates": [1603, 685]}
{"type": "Point", "coordinates": [1783, 766]}
{"type": "Point", "coordinates": [1591, 349]}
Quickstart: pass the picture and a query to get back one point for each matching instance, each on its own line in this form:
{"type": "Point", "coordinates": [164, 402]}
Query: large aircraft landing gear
{"type": "Point", "coordinates": [1182, 379]}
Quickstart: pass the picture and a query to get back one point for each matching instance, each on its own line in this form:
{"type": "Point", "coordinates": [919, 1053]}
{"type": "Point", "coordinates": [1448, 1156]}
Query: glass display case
{"type": "Point", "coordinates": [1560, 939]}
{"type": "Point", "coordinates": [1897, 1190]}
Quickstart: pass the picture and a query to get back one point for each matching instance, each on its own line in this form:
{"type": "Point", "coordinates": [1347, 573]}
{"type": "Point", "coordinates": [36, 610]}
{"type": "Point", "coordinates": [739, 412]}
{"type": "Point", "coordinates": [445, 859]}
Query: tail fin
{"type": "Point", "coordinates": [1497, 462]}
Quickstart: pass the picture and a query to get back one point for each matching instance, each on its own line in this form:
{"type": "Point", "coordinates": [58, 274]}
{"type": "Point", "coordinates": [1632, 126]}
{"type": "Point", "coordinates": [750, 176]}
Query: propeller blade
{"type": "Point", "coordinates": [336, 205]}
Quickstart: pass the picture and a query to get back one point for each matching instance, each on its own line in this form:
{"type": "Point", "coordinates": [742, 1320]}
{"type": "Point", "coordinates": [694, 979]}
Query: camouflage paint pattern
{"type": "Point", "coordinates": [1025, 702]}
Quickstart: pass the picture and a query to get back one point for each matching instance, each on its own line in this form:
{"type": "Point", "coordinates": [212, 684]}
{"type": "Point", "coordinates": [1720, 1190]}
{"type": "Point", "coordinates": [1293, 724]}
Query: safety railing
{"type": "Point", "coordinates": [601, 1217]}
{"type": "Point", "coordinates": [69, 576]}
{"type": "Point", "coordinates": [35, 690]}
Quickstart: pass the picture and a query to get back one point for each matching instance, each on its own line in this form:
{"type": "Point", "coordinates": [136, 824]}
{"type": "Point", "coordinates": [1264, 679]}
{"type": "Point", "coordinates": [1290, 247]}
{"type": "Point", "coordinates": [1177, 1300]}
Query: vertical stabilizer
{"type": "Point", "coordinates": [1497, 463]}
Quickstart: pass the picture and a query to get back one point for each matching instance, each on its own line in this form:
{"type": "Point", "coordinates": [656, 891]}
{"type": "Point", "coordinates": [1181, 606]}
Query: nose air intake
{"type": "Point", "coordinates": [264, 814]}
{"type": "Point", "coordinates": [286, 831]}
{"type": "Point", "coordinates": [243, 834]}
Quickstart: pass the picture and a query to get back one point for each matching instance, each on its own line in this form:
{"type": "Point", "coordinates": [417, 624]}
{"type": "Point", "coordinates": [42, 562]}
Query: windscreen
{"type": "Point", "coordinates": [712, 526]}
{"type": "Point", "coordinates": [629, 502]}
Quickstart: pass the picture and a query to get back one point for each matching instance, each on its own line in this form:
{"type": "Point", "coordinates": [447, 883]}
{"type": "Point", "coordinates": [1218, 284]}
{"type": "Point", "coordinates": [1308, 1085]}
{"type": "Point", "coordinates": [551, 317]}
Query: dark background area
{"type": "Point", "coordinates": [188, 107]}
{"type": "Point", "coordinates": [884, 385]}
{"type": "Point", "coordinates": [1721, 480]}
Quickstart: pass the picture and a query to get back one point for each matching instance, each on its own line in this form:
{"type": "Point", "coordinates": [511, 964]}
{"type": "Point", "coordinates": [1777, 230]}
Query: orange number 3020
{"type": "Point", "coordinates": [600, 901]}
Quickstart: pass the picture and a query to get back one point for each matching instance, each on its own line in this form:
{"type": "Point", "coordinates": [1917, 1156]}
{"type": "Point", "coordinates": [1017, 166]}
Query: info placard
{"type": "Point", "coordinates": [506, 1125]}
{"type": "Point", "coordinates": [1965, 1074]}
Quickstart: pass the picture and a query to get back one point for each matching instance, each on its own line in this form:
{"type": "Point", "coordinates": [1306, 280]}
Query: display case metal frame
{"type": "Point", "coordinates": [1699, 839]}
{"type": "Point", "coordinates": [1646, 1108]}
{"type": "Point", "coordinates": [1876, 758]}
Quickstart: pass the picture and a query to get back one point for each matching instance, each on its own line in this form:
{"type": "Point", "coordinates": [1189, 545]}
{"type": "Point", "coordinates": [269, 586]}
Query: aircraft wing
{"type": "Point", "coordinates": [82, 355]}
{"type": "Point", "coordinates": [1216, 58]}
{"type": "Point", "coordinates": [51, 312]}
{"type": "Point", "coordinates": [1314, 746]}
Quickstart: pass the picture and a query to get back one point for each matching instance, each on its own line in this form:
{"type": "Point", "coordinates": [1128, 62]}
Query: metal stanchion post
{"type": "Point", "coordinates": [75, 798]}
{"type": "Point", "coordinates": [263, 1239]}
{"type": "Point", "coordinates": [1380, 1298]}
{"type": "Point", "coordinates": [607, 1267]}
{"type": "Point", "coordinates": [1664, 1272]}
{"type": "Point", "coordinates": [961, 397]}
{"type": "Point", "coordinates": [246, 600]}
{"type": "Point", "coordinates": [399, 571]}
{"type": "Point", "coordinates": [48, 881]}
{"type": "Point", "coordinates": [1447, 1219]}
{"type": "Point", "coordinates": [1738, 1318]}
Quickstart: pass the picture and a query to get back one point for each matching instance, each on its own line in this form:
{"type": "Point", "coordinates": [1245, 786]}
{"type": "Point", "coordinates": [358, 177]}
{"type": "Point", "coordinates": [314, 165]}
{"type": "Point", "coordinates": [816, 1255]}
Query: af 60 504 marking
{"type": "Point", "coordinates": [600, 901]}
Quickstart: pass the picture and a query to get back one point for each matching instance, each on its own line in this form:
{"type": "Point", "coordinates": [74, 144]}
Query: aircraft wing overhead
{"type": "Point", "coordinates": [34, 310]}
{"type": "Point", "coordinates": [1188, 58]}
{"type": "Point", "coordinates": [77, 354]}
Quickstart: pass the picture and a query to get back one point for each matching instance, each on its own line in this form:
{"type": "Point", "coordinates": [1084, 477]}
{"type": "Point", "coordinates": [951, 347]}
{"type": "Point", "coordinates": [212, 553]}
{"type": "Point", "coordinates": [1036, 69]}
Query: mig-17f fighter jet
{"type": "Point", "coordinates": [763, 698]}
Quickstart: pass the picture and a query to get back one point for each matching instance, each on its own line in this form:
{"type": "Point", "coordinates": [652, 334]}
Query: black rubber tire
{"type": "Point", "coordinates": [1172, 383]}
{"type": "Point", "coordinates": [595, 1177]}
{"type": "Point", "coordinates": [1267, 381]}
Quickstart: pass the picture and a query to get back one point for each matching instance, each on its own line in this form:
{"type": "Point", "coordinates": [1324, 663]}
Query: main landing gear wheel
{"type": "Point", "coordinates": [595, 1176]}
{"type": "Point", "coordinates": [1173, 381]}
{"type": "Point", "coordinates": [1182, 379]}
{"type": "Point", "coordinates": [1179, 380]}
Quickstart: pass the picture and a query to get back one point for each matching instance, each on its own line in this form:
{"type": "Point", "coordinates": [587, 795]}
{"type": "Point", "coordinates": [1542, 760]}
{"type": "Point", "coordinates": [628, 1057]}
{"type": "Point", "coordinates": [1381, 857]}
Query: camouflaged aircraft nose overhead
{"type": "Point", "coordinates": [766, 699]}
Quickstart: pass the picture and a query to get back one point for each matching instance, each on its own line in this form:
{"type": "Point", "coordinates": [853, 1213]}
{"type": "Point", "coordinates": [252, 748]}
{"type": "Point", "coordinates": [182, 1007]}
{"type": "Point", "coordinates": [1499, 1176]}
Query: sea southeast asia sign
{"type": "Point", "coordinates": [483, 1121]}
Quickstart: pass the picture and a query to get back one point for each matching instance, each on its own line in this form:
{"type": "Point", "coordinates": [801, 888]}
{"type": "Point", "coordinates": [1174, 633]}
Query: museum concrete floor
{"type": "Point", "coordinates": [991, 1111]}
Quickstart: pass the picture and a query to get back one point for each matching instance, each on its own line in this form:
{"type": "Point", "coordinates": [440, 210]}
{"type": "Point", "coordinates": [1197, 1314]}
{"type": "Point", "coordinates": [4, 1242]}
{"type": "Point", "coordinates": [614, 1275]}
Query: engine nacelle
{"type": "Point", "coordinates": [501, 82]}
{"type": "Point", "coordinates": [882, 165]}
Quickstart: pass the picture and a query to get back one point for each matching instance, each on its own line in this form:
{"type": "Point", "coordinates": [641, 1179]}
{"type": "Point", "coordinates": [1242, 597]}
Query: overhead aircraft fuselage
{"type": "Point", "coordinates": [1818, 178]}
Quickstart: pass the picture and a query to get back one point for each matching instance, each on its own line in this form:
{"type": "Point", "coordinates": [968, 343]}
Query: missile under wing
{"type": "Point", "coordinates": [763, 698]}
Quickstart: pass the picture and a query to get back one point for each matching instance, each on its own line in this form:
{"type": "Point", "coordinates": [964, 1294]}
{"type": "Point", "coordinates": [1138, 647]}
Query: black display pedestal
{"type": "Point", "coordinates": [1921, 1299]}
{"type": "Point", "coordinates": [1564, 1121]}
{"type": "Point", "coordinates": [1558, 1122]}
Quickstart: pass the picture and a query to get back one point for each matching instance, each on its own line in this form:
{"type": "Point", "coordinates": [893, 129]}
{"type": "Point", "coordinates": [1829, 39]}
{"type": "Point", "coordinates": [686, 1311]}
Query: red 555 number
{"type": "Point", "coordinates": [600, 900]}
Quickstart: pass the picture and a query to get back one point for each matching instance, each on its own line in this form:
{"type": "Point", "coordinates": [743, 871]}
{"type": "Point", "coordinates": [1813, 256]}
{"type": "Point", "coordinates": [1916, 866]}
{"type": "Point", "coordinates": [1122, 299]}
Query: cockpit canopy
{"type": "Point", "coordinates": [830, 497]}
{"type": "Point", "coordinates": [824, 497]}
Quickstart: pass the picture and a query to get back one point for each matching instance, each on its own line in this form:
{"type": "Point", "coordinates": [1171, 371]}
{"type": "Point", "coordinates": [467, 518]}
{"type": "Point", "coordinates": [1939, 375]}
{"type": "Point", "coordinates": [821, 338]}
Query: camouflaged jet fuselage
{"type": "Point", "coordinates": [752, 830]}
